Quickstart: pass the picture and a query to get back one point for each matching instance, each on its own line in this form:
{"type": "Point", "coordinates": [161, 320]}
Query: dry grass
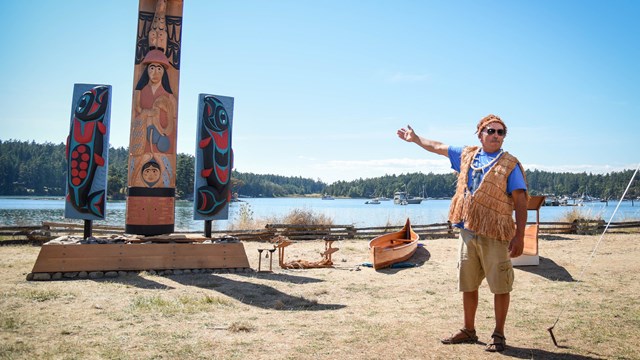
{"type": "Point", "coordinates": [345, 312]}
{"type": "Point", "coordinates": [306, 217]}
{"type": "Point", "coordinates": [299, 216]}
{"type": "Point", "coordinates": [578, 213]}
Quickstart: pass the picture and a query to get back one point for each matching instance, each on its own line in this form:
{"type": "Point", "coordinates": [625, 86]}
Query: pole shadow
{"type": "Point", "coordinates": [258, 295]}
{"type": "Point", "coordinates": [136, 281]}
{"type": "Point", "coordinates": [285, 278]}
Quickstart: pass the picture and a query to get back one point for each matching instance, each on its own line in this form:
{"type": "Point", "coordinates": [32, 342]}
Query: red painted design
{"type": "Point", "coordinates": [99, 159]}
{"type": "Point", "coordinates": [204, 143]}
{"type": "Point", "coordinates": [222, 140]}
{"type": "Point", "coordinates": [82, 136]}
{"type": "Point", "coordinates": [206, 172]}
{"type": "Point", "coordinates": [223, 174]}
{"type": "Point", "coordinates": [204, 203]}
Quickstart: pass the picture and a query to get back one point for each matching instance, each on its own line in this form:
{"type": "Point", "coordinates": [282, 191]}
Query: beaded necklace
{"type": "Point", "coordinates": [477, 170]}
{"type": "Point", "coordinates": [481, 168]}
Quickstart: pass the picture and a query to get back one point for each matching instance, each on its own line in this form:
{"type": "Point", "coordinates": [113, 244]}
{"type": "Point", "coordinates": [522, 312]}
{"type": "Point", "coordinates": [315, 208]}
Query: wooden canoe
{"type": "Point", "coordinates": [388, 249]}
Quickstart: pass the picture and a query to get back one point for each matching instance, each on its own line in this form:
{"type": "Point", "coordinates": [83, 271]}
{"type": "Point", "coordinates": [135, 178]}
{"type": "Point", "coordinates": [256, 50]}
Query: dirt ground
{"type": "Point", "coordinates": [346, 312]}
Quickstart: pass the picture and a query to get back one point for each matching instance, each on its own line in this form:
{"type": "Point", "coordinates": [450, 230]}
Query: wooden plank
{"type": "Point", "coordinates": [306, 226]}
{"type": "Point", "coordinates": [530, 240]}
{"type": "Point", "coordinates": [535, 202]}
{"type": "Point", "coordinates": [48, 224]}
{"type": "Point", "coordinates": [106, 257]}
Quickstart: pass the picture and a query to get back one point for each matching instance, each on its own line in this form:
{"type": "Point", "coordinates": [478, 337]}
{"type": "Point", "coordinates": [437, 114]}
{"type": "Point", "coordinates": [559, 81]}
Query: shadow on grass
{"type": "Point", "coordinates": [549, 269]}
{"type": "Point", "coordinates": [553, 237]}
{"type": "Point", "coordinates": [258, 295]}
{"type": "Point", "coordinates": [287, 278]}
{"type": "Point", "coordinates": [135, 281]}
{"type": "Point", "coordinates": [420, 257]}
{"type": "Point", "coordinates": [527, 353]}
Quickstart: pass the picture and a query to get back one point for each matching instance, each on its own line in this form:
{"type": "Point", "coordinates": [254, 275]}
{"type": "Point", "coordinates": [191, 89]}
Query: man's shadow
{"type": "Point", "coordinates": [528, 353]}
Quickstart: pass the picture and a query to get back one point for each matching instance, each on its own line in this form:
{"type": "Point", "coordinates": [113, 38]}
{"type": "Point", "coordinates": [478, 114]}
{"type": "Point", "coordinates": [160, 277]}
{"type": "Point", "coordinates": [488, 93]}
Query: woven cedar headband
{"type": "Point", "coordinates": [488, 120]}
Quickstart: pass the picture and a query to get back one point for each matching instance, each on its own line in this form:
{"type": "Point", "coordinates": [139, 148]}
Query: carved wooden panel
{"type": "Point", "coordinates": [87, 152]}
{"type": "Point", "coordinates": [214, 158]}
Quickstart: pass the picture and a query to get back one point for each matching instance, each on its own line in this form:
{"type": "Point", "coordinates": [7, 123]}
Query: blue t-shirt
{"type": "Point", "coordinates": [515, 181]}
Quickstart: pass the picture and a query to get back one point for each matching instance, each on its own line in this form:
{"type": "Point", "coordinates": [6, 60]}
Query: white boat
{"type": "Point", "coordinates": [402, 198]}
{"type": "Point", "coordinates": [372, 201]}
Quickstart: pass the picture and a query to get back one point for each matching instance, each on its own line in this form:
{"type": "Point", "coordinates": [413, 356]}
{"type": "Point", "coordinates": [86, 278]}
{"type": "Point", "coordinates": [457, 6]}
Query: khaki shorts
{"type": "Point", "coordinates": [482, 257]}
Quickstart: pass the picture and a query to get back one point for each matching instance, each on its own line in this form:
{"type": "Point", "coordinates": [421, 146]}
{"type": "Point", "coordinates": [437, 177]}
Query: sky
{"type": "Point", "coordinates": [321, 87]}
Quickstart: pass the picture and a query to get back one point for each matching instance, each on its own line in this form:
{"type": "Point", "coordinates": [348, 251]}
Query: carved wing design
{"type": "Point", "coordinates": [174, 37]}
{"type": "Point", "coordinates": [142, 41]}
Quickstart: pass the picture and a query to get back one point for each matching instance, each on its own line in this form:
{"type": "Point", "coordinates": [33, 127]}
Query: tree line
{"type": "Point", "coordinates": [30, 168]}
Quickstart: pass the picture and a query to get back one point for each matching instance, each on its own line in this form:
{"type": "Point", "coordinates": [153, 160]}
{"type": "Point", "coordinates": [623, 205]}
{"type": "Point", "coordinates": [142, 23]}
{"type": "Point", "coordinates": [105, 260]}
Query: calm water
{"type": "Point", "coordinates": [33, 211]}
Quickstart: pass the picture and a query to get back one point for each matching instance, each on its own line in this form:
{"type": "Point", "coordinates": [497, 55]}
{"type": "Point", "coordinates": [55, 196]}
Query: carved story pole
{"type": "Point", "coordinates": [154, 119]}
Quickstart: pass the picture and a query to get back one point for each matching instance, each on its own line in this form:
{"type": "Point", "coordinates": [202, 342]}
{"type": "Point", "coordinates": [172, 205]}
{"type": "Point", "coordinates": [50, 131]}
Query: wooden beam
{"type": "Point", "coordinates": [113, 257]}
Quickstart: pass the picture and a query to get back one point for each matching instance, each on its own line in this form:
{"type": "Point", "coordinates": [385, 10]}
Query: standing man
{"type": "Point", "coordinates": [491, 185]}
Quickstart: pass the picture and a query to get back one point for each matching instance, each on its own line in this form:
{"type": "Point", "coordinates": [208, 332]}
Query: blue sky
{"type": "Point", "coordinates": [321, 87]}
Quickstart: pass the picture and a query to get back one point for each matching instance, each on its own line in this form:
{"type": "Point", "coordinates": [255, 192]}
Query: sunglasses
{"type": "Point", "coordinates": [501, 132]}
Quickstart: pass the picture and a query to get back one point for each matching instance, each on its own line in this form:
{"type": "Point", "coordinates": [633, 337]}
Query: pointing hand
{"type": "Point", "coordinates": [407, 134]}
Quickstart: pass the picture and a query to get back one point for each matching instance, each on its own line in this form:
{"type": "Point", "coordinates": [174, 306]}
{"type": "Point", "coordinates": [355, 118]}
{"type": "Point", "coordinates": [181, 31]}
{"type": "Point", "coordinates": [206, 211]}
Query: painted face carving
{"type": "Point", "coordinates": [155, 72]}
{"type": "Point", "coordinates": [151, 173]}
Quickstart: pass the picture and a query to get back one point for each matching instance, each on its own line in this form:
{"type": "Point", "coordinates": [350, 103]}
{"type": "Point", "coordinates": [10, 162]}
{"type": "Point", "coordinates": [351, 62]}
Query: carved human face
{"type": "Point", "coordinates": [155, 72]}
{"type": "Point", "coordinates": [151, 175]}
{"type": "Point", "coordinates": [492, 142]}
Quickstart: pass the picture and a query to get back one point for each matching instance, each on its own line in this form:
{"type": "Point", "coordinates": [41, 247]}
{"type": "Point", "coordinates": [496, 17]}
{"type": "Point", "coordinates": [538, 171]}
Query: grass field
{"type": "Point", "coordinates": [345, 312]}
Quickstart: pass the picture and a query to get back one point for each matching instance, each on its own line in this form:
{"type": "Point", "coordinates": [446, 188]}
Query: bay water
{"type": "Point", "coordinates": [32, 211]}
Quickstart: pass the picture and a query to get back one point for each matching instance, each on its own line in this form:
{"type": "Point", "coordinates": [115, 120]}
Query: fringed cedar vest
{"type": "Point", "coordinates": [489, 210]}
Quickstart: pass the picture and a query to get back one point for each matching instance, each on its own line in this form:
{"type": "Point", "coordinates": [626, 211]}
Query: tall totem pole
{"type": "Point", "coordinates": [154, 119]}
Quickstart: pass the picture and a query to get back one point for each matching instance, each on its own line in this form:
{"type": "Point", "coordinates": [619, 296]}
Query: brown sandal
{"type": "Point", "coordinates": [464, 336]}
{"type": "Point", "coordinates": [498, 343]}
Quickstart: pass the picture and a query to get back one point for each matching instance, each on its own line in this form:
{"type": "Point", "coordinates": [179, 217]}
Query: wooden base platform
{"type": "Point", "coordinates": [127, 257]}
{"type": "Point", "coordinates": [526, 260]}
